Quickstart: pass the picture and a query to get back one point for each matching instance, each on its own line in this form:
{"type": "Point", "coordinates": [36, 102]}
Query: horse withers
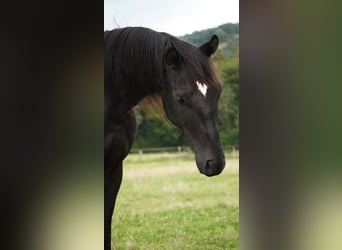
{"type": "Point", "coordinates": [140, 62]}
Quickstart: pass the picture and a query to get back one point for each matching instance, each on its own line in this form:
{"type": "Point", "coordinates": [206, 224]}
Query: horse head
{"type": "Point", "coordinates": [190, 98]}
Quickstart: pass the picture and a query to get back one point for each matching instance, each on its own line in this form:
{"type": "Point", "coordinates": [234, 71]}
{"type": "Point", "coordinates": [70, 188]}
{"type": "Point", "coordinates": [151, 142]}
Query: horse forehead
{"type": "Point", "coordinates": [202, 87]}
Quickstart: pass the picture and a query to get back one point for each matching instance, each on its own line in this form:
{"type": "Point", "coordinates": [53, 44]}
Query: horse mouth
{"type": "Point", "coordinates": [213, 167]}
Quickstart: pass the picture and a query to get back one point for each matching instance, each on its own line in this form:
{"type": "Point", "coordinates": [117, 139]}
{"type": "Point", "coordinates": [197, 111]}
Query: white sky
{"type": "Point", "coordinates": [177, 17]}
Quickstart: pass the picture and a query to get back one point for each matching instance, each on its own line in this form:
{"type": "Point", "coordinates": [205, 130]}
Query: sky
{"type": "Point", "coordinates": [176, 17]}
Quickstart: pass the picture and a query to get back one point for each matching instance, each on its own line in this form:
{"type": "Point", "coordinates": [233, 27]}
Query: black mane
{"type": "Point", "coordinates": [137, 54]}
{"type": "Point", "coordinates": [134, 62]}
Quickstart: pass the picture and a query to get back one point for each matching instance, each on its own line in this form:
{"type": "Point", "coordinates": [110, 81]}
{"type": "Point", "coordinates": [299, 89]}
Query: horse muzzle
{"type": "Point", "coordinates": [212, 167]}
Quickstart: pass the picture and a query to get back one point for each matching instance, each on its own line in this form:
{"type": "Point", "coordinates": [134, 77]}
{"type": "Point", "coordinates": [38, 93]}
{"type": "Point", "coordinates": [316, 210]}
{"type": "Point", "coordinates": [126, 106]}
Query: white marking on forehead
{"type": "Point", "coordinates": [202, 87]}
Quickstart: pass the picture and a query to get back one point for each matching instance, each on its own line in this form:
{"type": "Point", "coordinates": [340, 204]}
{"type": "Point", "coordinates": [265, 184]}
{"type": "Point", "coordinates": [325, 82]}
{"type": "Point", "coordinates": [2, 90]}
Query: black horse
{"type": "Point", "coordinates": [140, 62]}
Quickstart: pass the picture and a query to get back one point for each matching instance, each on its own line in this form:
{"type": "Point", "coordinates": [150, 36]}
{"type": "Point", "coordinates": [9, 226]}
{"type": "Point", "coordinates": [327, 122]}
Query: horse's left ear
{"type": "Point", "coordinates": [172, 57]}
{"type": "Point", "coordinates": [210, 47]}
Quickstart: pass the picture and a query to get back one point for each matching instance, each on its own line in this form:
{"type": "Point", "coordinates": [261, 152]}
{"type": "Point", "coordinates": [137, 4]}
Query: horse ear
{"type": "Point", "coordinates": [210, 47]}
{"type": "Point", "coordinates": [172, 57]}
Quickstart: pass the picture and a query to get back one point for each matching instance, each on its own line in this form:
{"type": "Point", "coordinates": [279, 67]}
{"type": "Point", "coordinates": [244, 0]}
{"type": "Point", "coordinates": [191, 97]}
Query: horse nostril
{"type": "Point", "coordinates": [210, 168]}
{"type": "Point", "coordinates": [209, 164]}
{"type": "Point", "coordinates": [213, 167]}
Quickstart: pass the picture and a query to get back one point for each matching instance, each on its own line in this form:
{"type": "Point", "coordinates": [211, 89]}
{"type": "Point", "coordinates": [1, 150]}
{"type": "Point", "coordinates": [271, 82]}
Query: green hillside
{"type": "Point", "coordinates": [228, 34]}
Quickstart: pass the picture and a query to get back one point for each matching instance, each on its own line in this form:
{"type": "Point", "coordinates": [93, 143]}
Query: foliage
{"type": "Point", "coordinates": [152, 132]}
{"type": "Point", "coordinates": [229, 100]}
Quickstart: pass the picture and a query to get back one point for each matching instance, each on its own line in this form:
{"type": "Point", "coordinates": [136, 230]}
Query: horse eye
{"type": "Point", "coordinates": [180, 99]}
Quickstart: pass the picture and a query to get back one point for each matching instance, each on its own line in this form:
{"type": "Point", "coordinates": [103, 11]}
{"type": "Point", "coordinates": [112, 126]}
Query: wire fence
{"type": "Point", "coordinates": [174, 149]}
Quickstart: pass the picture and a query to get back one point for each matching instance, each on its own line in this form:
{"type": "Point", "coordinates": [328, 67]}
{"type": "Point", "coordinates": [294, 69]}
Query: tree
{"type": "Point", "coordinates": [229, 100]}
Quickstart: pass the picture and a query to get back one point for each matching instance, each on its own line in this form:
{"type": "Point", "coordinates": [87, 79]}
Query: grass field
{"type": "Point", "coordinates": [165, 203]}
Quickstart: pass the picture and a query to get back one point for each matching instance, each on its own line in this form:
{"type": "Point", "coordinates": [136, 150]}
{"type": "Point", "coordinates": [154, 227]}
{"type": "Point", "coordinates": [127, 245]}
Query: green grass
{"type": "Point", "coordinates": [165, 203]}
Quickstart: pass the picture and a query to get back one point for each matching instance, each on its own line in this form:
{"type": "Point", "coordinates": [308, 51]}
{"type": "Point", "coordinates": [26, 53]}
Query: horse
{"type": "Point", "coordinates": [140, 62]}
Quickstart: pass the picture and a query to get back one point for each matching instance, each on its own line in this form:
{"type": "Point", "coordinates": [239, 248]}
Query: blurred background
{"type": "Point", "coordinates": [289, 125]}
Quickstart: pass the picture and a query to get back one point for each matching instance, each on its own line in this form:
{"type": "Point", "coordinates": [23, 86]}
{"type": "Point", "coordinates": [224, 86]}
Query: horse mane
{"type": "Point", "coordinates": [138, 53]}
{"type": "Point", "coordinates": [153, 105]}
